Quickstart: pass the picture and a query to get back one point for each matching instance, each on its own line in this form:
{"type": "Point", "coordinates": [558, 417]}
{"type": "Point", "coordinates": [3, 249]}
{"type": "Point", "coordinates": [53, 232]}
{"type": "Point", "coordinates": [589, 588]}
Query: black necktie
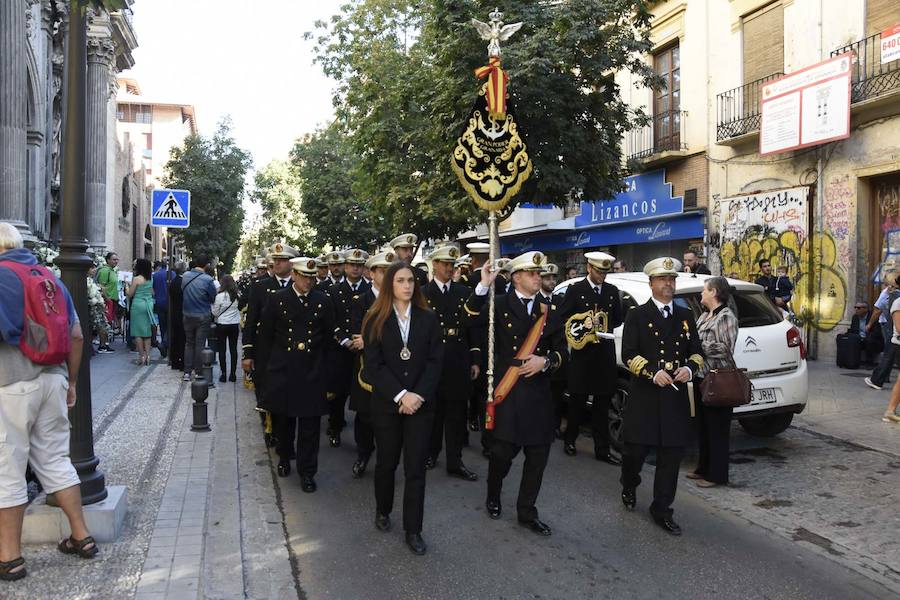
{"type": "Point", "coordinates": [354, 286]}
{"type": "Point", "coordinates": [667, 312]}
{"type": "Point", "coordinates": [525, 303]}
{"type": "Point", "coordinates": [283, 283]}
{"type": "Point", "coordinates": [445, 288]}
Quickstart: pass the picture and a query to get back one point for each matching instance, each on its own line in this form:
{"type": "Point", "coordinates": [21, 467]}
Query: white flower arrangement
{"type": "Point", "coordinates": [45, 255]}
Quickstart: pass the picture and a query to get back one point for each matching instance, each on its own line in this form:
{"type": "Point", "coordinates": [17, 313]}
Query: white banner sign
{"type": "Point", "coordinates": [890, 44]}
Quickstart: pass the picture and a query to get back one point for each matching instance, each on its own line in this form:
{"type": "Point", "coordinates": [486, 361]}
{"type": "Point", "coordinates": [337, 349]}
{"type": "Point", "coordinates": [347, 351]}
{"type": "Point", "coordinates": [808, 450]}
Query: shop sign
{"type": "Point", "coordinates": [890, 44]}
{"type": "Point", "coordinates": [646, 196]}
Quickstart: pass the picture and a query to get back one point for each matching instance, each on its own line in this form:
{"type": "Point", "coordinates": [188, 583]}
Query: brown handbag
{"type": "Point", "coordinates": [726, 387]}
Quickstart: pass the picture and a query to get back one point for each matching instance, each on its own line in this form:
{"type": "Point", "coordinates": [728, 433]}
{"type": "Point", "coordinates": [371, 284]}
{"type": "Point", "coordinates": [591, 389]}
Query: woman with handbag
{"type": "Point", "coordinates": [227, 319]}
{"type": "Point", "coordinates": [718, 331]}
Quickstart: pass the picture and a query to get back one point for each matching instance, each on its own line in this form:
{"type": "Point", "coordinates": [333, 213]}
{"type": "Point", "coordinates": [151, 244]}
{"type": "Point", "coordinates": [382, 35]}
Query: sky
{"type": "Point", "coordinates": [243, 58]}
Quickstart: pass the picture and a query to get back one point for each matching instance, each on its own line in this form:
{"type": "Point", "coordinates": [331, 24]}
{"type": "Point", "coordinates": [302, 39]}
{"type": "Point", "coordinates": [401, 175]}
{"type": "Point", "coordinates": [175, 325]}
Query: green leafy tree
{"type": "Point", "coordinates": [324, 164]}
{"type": "Point", "coordinates": [405, 84]}
{"type": "Point", "coordinates": [213, 170]}
{"type": "Point", "coordinates": [277, 190]}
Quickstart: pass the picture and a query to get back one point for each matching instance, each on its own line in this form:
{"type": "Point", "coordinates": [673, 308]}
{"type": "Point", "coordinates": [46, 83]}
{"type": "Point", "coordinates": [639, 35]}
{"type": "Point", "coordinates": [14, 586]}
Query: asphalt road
{"type": "Point", "coordinates": [597, 550]}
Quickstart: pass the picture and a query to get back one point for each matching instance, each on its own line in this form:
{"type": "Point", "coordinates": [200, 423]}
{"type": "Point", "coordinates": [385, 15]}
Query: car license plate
{"type": "Point", "coordinates": [764, 396]}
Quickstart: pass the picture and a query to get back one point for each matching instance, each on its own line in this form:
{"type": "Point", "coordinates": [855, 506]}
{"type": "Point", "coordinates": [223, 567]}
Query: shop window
{"type": "Point", "coordinates": [763, 41]}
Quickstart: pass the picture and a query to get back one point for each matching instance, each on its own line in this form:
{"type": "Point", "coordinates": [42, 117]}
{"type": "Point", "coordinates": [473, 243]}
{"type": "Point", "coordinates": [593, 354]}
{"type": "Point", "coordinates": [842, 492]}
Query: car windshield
{"type": "Point", "coordinates": [752, 308]}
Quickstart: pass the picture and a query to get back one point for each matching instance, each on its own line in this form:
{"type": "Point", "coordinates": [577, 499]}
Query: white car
{"type": "Point", "coordinates": [768, 346]}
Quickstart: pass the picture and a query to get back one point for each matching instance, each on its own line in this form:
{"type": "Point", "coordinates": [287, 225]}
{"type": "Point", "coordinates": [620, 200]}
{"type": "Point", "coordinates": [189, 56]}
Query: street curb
{"type": "Point", "coordinates": [828, 436]}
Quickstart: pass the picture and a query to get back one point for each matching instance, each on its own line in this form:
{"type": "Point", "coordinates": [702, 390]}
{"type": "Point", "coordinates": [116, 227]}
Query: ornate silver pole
{"type": "Point", "coordinates": [492, 260]}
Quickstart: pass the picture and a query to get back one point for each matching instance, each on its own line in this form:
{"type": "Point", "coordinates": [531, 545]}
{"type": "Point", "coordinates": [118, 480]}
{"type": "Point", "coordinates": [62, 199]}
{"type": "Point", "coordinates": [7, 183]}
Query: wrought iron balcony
{"type": "Point", "coordinates": [870, 77]}
{"type": "Point", "coordinates": [665, 133]}
{"type": "Point", "coordinates": [737, 110]}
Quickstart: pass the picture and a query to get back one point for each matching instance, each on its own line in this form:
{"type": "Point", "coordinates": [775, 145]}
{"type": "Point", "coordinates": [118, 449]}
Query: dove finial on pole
{"type": "Point", "coordinates": [494, 31]}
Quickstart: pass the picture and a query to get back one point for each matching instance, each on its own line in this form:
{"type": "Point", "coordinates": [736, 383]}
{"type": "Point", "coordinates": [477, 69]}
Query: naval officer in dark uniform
{"type": "Point", "coordinates": [404, 246]}
{"type": "Point", "coordinates": [593, 370]}
{"type": "Point", "coordinates": [528, 347]}
{"type": "Point", "coordinates": [323, 281]}
{"type": "Point", "coordinates": [447, 299]}
{"type": "Point", "coordinates": [661, 348]}
{"type": "Point", "coordinates": [296, 325]}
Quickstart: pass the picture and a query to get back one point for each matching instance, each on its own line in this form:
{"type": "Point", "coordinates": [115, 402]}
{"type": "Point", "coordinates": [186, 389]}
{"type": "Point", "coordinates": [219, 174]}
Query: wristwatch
{"type": "Point", "coordinates": [546, 364]}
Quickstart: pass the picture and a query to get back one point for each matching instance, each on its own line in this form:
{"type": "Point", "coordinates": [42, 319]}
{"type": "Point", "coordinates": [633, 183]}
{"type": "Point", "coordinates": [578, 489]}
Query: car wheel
{"type": "Point", "coordinates": [767, 426]}
{"type": "Point", "coordinates": [616, 412]}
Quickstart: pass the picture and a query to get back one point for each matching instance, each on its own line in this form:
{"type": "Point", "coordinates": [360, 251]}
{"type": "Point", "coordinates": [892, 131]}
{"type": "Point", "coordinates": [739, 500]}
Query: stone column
{"type": "Point", "coordinates": [13, 176]}
{"type": "Point", "coordinates": [100, 54]}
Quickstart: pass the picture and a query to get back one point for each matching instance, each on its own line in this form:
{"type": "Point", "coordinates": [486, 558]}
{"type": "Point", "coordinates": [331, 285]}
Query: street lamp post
{"type": "Point", "coordinates": [73, 259]}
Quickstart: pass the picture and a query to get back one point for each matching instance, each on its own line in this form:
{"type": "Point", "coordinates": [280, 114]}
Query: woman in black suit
{"type": "Point", "coordinates": [403, 358]}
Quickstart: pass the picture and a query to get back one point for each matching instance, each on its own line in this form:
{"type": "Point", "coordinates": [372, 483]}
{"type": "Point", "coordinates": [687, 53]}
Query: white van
{"type": "Point", "coordinates": [768, 346]}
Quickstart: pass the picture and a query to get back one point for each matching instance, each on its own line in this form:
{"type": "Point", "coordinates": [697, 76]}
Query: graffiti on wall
{"type": "Point", "coordinates": [773, 226]}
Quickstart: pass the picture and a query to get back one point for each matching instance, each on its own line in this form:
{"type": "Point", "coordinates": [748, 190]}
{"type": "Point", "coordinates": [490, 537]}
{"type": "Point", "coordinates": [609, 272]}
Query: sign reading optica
{"type": "Point", "coordinates": [808, 107]}
{"type": "Point", "coordinates": [890, 44]}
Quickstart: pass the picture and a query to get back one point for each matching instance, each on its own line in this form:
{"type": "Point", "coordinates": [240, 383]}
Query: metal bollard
{"type": "Point", "coordinates": [208, 356]}
{"type": "Point", "coordinates": [199, 392]}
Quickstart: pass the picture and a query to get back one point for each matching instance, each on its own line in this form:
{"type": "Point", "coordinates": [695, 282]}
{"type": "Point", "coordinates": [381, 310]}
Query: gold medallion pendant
{"type": "Point", "coordinates": [405, 354]}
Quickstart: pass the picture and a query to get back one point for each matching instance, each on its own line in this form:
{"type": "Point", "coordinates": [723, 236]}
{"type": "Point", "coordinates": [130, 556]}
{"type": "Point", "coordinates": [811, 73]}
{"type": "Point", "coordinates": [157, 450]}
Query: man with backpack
{"type": "Point", "coordinates": [38, 372]}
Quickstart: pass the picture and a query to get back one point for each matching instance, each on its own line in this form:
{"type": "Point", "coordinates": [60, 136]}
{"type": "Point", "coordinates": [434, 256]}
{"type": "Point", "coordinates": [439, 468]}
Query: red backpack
{"type": "Point", "coordinates": [45, 329]}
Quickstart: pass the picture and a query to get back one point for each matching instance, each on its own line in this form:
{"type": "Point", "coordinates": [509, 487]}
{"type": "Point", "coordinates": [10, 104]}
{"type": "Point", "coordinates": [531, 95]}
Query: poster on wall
{"type": "Point", "coordinates": [890, 44]}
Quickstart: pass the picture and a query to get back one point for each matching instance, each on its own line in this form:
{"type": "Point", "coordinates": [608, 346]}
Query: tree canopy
{"type": "Point", "coordinates": [405, 82]}
{"type": "Point", "coordinates": [277, 190]}
{"type": "Point", "coordinates": [213, 170]}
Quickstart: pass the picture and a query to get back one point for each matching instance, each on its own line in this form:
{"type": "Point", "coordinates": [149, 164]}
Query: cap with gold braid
{"type": "Point", "coordinates": [446, 253]}
{"type": "Point", "coordinates": [530, 261]}
{"type": "Point", "coordinates": [464, 261]}
{"type": "Point", "coordinates": [280, 250]}
{"type": "Point", "coordinates": [665, 265]}
{"type": "Point", "coordinates": [321, 262]}
{"type": "Point", "coordinates": [335, 258]}
{"type": "Point", "coordinates": [478, 248]}
{"type": "Point", "coordinates": [601, 261]}
{"type": "Point", "coordinates": [383, 259]}
{"type": "Point", "coordinates": [261, 263]}
{"type": "Point", "coordinates": [355, 256]}
{"type": "Point", "coordinates": [304, 265]}
{"type": "Point", "coordinates": [550, 269]}
{"type": "Point", "coordinates": [406, 240]}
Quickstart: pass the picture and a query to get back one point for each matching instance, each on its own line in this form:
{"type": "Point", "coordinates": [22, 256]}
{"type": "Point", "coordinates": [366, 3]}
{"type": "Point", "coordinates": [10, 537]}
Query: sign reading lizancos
{"type": "Point", "coordinates": [645, 196]}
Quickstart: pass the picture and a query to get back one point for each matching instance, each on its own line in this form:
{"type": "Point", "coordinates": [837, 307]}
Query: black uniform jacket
{"type": "Point", "coordinates": [654, 415]}
{"type": "Point", "coordinates": [340, 361]}
{"type": "Point", "coordinates": [525, 417]}
{"type": "Point", "coordinates": [458, 356]}
{"type": "Point", "coordinates": [293, 335]}
{"type": "Point", "coordinates": [390, 374]}
{"type": "Point", "coordinates": [593, 369]}
{"type": "Point", "coordinates": [360, 390]}
{"type": "Point", "coordinates": [260, 292]}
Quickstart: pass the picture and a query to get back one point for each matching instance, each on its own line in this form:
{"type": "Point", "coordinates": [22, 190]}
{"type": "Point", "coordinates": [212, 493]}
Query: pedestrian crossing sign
{"type": "Point", "coordinates": [170, 208]}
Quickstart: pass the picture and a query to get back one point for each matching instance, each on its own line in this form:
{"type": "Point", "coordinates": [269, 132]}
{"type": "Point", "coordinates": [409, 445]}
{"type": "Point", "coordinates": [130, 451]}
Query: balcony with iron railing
{"type": "Point", "coordinates": [659, 141]}
{"type": "Point", "coordinates": [869, 77]}
{"type": "Point", "coordinates": [737, 110]}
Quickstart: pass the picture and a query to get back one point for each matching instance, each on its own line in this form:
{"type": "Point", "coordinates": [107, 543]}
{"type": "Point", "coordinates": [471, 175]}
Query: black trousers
{"type": "Point", "coordinates": [502, 455]}
{"type": "Point", "coordinates": [665, 482]}
{"type": "Point", "coordinates": [577, 416]}
{"type": "Point", "coordinates": [364, 434]}
{"type": "Point", "coordinates": [410, 434]}
{"type": "Point", "coordinates": [714, 438]}
{"type": "Point", "coordinates": [449, 423]}
{"type": "Point", "coordinates": [298, 436]}
{"type": "Point", "coordinates": [227, 333]}
{"type": "Point", "coordinates": [478, 397]}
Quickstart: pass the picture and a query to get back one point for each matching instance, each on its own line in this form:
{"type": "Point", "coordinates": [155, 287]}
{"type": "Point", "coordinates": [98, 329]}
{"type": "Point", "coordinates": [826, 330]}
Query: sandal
{"type": "Point", "coordinates": [6, 569]}
{"type": "Point", "coordinates": [72, 546]}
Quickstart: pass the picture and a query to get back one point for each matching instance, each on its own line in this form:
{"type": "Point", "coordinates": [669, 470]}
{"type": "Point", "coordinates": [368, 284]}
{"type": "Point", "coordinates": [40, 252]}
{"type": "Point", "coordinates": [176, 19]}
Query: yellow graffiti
{"type": "Point", "coordinates": [820, 305]}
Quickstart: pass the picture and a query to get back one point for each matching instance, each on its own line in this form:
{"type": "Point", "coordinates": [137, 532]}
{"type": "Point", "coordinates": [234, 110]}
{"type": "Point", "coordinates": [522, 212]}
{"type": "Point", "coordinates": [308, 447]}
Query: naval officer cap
{"type": "Point", "coordinates": [478, 248]}
{"type": "Point", "coordinates": [383, 259]}
{"type": "Point", "coordinates": [261, 262]}
{"type": "Point", "coordinates": [355, 256]}
{"type": "Point", "coordinates": [446, 253]}
{"type": "Point", "coordinates": [530, 261]}
{"type": "Point", "coordinates": [280, 250]}
{"type": "Point", "coordinates": [304, 265]}
{"type": "Point", "coordinates": [321, 262]}
{"type": "Point", "coordinates": [665, 265]}
{"type": "Point", "coordinates": [601, 261]}
{"type": "Point", "coordinates": [503, 265]}
{"type": "Point", "coordinates": [335, 258]}
{"type": "Point", "coordinates": [405, 240]}
{"type": "Point", "coordinates": [464, 261]}
{"type": "Point", "coordinates": [550, 269]}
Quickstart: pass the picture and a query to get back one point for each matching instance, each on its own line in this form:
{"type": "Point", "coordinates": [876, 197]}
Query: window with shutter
{"type": "Point", "coordinates": [667, 101]}
{"type": "Point", "coordinates": [881, 14]}
{"type": "Point", "coordinates": [763, 37]}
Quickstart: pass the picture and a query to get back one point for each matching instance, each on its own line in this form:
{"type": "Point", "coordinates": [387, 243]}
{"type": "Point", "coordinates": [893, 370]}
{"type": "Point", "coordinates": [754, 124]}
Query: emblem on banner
{"type": "Point", "coordinates": [582, 328]}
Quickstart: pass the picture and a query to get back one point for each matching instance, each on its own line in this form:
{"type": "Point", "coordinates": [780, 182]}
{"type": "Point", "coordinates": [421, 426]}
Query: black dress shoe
{"type": "Point", "coordinates": [668, 524]}
{"type": "Point", "coordinates": [334, 440]}
{"type": "Point", "coordinates": [463, 473]}
{"type": "Point", "coordinates": [608, 457]}
{"type": "Point", "coordinates": [629, 498]}
{"type": "Point", "coordinates": [222, 378]}
{"type": "Point", "coordinates": [569, 449]}
{"type": "Point", "coordinates": [537, 526]}
{"type": "Point", "coordinates": [382, 522]}
{"type": "Point", "coordinates": [493, 509]}
{"type": "Point", "coordinates": [430, 463]}
{"type": "Point", "coordinates": [308, 484]}
{"type": "Point", "coordinates": [232, 378]}
{"type": "Point", "coordinates": [359, 467]}
{"type": "Point", "coordinates": [284, 468]}
{"type": "Point", "coordinates": [416, 544]}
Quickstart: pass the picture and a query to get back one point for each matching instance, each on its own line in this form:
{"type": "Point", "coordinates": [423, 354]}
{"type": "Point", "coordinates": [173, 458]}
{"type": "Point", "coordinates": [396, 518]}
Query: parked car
{"type": "Point", "coordinates": [768, 346]}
